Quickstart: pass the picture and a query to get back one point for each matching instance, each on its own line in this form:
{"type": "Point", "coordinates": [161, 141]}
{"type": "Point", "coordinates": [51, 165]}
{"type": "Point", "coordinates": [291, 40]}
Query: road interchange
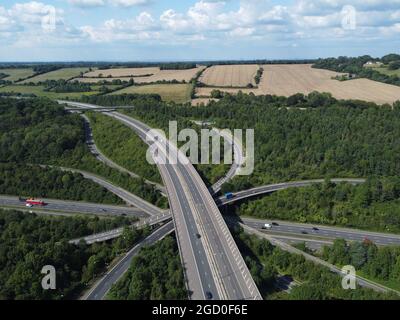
{"type": "Point", "coordinates": [194, 209]}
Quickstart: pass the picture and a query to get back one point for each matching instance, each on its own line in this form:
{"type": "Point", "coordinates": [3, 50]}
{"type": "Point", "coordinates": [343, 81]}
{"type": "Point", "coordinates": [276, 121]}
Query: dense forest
{"type": "Point", "coordinates": [35, 181]}
{"type": "Point", "coordinates": [155, 274]}
{"type": "Point", "coordinates": [374, 205]}
{"type": "Point", "coordinates": [39, 131]}
{"type": "Point", "coordinates": [29, 242]}
{"type": "Point", "coordinates": [266, 262]}
{"type": "Point", "coordinates": [355, 66]}
{"type": "Point", "coordinates": [376, 263]}
{"type": "Point", "coordinates": [299, 137]}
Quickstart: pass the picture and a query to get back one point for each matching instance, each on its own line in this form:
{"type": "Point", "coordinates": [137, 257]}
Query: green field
{"type": "Point", "coordinates": [179, 93]}
{"type": "Point", "coordinates": [16, 74]}
{"type": "Point", "coordinates": [39, 91]}
{"type": "Point", "coordinates": [64, 73]}
{"type": "Point", "coordinates": [384, 70]}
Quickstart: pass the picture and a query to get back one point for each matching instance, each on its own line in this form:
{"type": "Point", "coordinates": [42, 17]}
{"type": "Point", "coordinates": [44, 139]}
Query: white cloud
{"type": "Point", "coordinates": [142, 27]}
{"type": "Point", "coordinates": [208, 20]}
{"type": "Point", "coordinates": [129, 3]}
{"type": "Point", "coordinates": [87, 3]}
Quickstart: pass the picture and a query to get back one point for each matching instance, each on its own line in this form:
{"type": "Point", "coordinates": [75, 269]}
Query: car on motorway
{"type": "Point", "coordinates": [198, 236]}
{"type": "Point", "coordinates": [228, 195]}
{"type": "Point", "coordinates": [209, 295]}
{"type": "Point", "coordinates": [304, 232]}
{"type": "Point", "coordinates": [275, 224]}
{"type": "Point", "coordinates": [315, 229]}
{"type": "Point", "coordinates": [267, 226]}
{"type": "Point", "coordinates": [29, 205]}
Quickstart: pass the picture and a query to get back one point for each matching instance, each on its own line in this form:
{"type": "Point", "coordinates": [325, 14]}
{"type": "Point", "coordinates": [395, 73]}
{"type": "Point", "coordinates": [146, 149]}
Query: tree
{"type": "Point", "coordinates": [394, 65]}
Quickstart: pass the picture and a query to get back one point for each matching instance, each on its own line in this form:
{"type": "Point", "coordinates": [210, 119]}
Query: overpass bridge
{"type": "Point", "coordinates": [211, 260]}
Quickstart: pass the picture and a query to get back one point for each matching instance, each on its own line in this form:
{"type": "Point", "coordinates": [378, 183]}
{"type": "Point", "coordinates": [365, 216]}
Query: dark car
{"type": "Point", "coordinates": [209, 295]}
{"type": "Point", "coordinates": [198, 236]}
{"type": "Point", "coordinates": [304, 232]}
{"type": "Point", "coordinates": [315, 229]}
{"type": "Point", "coordinates": [275, 224]}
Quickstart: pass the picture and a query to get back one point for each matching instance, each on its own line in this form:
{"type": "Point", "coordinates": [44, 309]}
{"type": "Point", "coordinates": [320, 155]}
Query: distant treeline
{"type": "Point", "coordinates": [47, 67]}
{"type": "Point", "coordinates": [355, 66]}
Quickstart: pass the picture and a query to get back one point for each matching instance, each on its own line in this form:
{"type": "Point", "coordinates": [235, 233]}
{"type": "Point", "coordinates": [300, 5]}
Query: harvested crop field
{"type": "Point", "coordinates": [170, 75]}
{"type": "Point", "coordinates": [161, 75]}
{"type": "Point", "coordinates": [286, 80]}
{"type": "Point", "coordinates": [60, 74]}
{"type": "Point", "coordinates": [122, 72]}
{"type": "Point", "coordinates": [179, 93]}
{"type": "Point", "coordinates": [17, 73]}
{"type": "Point", "coordinates": [230, 76]}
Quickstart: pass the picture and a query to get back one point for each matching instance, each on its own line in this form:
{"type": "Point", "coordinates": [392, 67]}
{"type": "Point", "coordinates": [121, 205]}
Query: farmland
{"type": "Point", "coordinates": [157, 75]}
{"type": "Point", "coordinates": [179, 93]}
{"type": "Point", "coordinates": [122, 72]}
{"type": "Point", "coordinates": [236, 76]}
{"type": "Point", "coordinates": [39, 91]}
{"type": "Point", "coordinates": [287, 80]}
{"type": "Point", "coordinates": [388, 72]}
{"type": "Point", "coordinates": [60, 74]}
{"type": "Point", "coordinates": [17, 73]}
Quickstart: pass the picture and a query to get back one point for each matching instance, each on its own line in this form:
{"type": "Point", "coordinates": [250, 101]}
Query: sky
{"type": "Point", "coordinates": [185, 30]}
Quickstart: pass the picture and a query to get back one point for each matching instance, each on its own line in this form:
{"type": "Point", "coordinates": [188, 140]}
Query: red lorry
{"type": "Point", "coordinates": [34, 202]}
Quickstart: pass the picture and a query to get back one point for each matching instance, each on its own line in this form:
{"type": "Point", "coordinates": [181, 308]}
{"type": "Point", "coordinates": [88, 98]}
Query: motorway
{"type": "Point", "coordinates": [61, 206]}
{"type": "Point", "coordinates": [101, 288]}
{"type": "Point", "coordinates": [306, 231]}
{"type": "Point", "coordinates": [258, 191]}
{"type": "Point", "coordinates": [284, 246]}
{"type": "Point", "coordinates": [128, 197]}
{"type": "Point", "coordinates": [281, 186]}
{"type": "Point", "coordinates": [211, 259]}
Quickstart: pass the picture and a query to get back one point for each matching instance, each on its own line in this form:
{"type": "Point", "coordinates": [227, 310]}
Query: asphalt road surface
{"type": "Point", "coordinates": [101, 288]}
{"type": "Point", "coordinates": [74, 207]}
{"type": "Point", "coordinates": [282, 228]}
{"type": "Point", "coordinates": [280, 186]}
{"type": "Point", "coordinates": [193, 206]}
{"type": "Point", "coordinates": [284, 246]}
{"type": "Point", "coordinates": [128, 197]}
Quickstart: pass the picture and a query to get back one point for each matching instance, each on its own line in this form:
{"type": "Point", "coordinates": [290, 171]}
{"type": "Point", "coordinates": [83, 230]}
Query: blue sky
{"type": "Point", "coordinates": [165, 30]}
